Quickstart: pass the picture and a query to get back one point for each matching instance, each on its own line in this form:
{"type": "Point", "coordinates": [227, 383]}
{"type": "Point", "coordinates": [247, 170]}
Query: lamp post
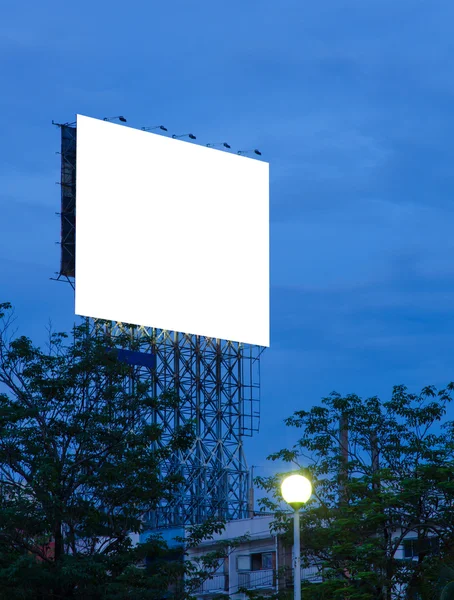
{"type": "Point", "coordinates": [296, 491]}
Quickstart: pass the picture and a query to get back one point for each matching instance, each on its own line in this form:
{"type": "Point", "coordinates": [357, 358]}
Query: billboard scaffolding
{"type": "Point", "coordinates": [218, 384]}
{"type": "Point", "coordinates": [217, 381]}
{"type": "Point", "coordinates": [68, 203]}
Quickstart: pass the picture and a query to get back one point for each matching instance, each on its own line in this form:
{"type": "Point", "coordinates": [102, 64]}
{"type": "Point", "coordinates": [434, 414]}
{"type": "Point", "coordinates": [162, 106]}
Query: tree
{"type": "Point", "coordinates": [396, 481]}
{"type": "Point", "coordinates": [81, 463]}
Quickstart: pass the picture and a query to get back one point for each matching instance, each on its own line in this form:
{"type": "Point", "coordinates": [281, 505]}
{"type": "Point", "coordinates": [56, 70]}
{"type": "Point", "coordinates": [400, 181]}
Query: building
{"type": "Point", "coordinates": [260, 563]}
{"type": "Point", "coordinates": [263, 562]}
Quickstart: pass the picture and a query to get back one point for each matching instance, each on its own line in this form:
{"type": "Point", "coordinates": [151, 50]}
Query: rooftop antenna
{"type": "Point", "coordinates": [218, 145]}
{"type": "Point", "coordinates": [249, 152]}
{"type": "Point", "coordinates": [154, 127]}
{"type": "Point", "coordinates": [189, 135]}
{"type": "Point", "coordinates": [120, 118]}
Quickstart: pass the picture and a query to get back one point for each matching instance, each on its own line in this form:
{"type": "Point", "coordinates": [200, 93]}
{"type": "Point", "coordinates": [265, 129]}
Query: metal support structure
{"type": "Point", "coordinates": [218, 384]}
{"type": "Point", "coordinates": [68, 202]}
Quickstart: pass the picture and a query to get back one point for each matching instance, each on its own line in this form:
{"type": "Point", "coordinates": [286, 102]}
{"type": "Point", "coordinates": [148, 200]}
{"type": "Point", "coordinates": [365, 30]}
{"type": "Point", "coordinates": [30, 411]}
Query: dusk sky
{"type": "Point", "coordinates": [351, 103]}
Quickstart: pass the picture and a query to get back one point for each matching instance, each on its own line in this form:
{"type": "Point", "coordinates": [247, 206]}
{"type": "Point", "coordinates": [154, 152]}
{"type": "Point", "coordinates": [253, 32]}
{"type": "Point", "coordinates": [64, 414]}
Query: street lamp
{"type": "Point", "coordinates": [296, 491]}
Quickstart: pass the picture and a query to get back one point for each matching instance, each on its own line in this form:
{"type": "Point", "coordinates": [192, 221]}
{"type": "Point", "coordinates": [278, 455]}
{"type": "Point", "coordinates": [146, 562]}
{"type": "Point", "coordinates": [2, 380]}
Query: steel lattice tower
{"type": "Point", "coordinates": [217, 381]}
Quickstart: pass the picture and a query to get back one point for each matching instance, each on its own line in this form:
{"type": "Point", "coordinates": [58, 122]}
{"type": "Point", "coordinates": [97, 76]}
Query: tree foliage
{"type": "Point", "coordinates": [81, 463]}
{"type": "Point", "coordinates": [397, 482]}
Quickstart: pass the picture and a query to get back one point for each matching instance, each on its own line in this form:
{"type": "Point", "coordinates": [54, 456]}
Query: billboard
{"type": "Point", "coordinates": [171, 234]}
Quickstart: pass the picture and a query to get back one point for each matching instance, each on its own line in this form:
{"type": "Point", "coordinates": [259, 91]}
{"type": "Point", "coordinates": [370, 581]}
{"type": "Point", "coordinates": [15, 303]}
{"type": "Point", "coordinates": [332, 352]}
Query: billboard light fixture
{"type": "Point", "coordinates": [191, 136]}
{"type": "Point", "coordinates": [249, 152]}
{"type": "Point", "coordinates": [219, 144]}
{"type": "Point", "coordinates": [120, 118]}
{"type": "Point", "coordinates": [155, 127]}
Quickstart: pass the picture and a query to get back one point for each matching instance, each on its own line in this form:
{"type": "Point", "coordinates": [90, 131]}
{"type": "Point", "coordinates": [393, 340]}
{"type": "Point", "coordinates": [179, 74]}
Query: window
{"type": "Point", "coordinates": [257, 561]}
{"type": "Point", "coordinates": [268, 560]}
{"type": "Point", "coordinates": [413, 547]}
{"type": "Point", "coordinates": [222, 567]}
{"type": "Point", "coordinates": [243, 562]}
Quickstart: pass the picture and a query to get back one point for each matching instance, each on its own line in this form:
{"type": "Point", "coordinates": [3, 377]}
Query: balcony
{"type": "Point", "coordinates": [264, 578]}
{"type": "Point", "coordinates": [308, 574]}
{"type": "Point", "coordinates": [311, 574]}
{"type": "Point", "coordinates": [215, 585]}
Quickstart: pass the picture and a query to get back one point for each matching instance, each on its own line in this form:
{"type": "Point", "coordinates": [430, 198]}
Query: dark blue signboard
{"type": "Point", "coordinates": [134, 358]}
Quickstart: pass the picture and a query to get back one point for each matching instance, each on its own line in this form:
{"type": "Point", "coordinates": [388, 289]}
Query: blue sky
{"type": "Point", "coordinates": [351, 103]}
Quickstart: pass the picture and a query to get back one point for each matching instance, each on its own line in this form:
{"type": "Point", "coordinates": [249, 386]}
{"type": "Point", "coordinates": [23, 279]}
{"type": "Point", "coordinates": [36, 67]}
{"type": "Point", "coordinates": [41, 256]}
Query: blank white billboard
{"type": "Point", "coordinates": [170, 234]}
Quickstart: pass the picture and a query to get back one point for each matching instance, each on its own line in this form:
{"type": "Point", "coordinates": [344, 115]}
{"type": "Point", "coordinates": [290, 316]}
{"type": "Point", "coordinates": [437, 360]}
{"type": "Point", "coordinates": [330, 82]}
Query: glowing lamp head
{"type": "Point", "coordinates": [296, 490]}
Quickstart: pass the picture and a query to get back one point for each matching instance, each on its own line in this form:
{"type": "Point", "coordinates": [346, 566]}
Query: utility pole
{"type": "Point", "coordinates": [375, 459]}
{"type": "Point", "coordinates": [343, 447]}
{"type": "Point", "coordinates": [251, 494]}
